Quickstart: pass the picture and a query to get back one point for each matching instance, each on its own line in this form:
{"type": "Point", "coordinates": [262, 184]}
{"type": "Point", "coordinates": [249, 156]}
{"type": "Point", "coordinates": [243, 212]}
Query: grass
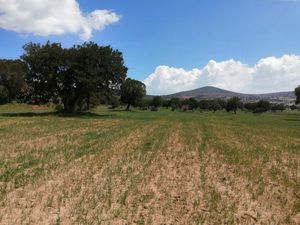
{"type": "Point", "coordinates": [142, 167]}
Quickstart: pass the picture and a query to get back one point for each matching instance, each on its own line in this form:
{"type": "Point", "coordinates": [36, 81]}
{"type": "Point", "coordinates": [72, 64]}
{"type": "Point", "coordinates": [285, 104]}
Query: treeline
{"type": "Point", "coordinates": [75, 78]}
{"type": "Point", "coordinates": [87, 75]}
{"type": "Point", "coordinates": [231, 105]}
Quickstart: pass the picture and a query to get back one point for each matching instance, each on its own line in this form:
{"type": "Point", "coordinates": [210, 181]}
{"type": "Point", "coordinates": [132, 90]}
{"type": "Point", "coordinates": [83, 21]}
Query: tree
{"type": "Point", "coordinates": [214, 105]}
{"type": "Point", "coordinates": [45, 66]}
{"type": "Point", "coordinates": [189, 104]}
{"type": "Point", "coordinates": [157, 101]}
{"type": "Point", "coordinates": [233, 104]}
{"type": "Point", "coordinates": [73, 75]}
{"type": "Point", "coordinates": [204, 104]}
{"type": "Point", "coordinates": [144, 104]}
{"type": "Point", "coordinates": [132, 92]}
{"type": "Point", "coordinates": [192, 103]}
{"type": "Point", "coordinates": [262, 106]}
{"type": "Point", "coordinates": [222, 103]}
{"type": "Point", "coordinates": [166, 103]}
{"type": "Point", "coordinates": [99, 70]}
{"type": "Point", "coordinates": [175, 103]}
{"type": "Point", "coordinates": [278, 107]}
{"type": "Point", "coordinates": [12, 78]}
{"type": "Point", "coordinates": [297, 93]}
{"type": "Point", "coordinates": [3, 95]}
{"type": "Point", "coordinates": [250, 106]}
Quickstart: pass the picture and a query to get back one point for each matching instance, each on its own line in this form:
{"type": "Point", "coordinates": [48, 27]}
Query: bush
{"type": "Point", "coordinates": [262, 106]}
{"type": "Point", "coordinates": [175, 103]}
{"type": "Point", "coordinates": [190, 104]}
{"type": "Point", "coordinates": [278, 107]}
{"type": "Point", "coordinates": [157, 101]}
{"type": "Point", "coordinates": [293, 107]}
{"type": "Point", "coordinates": [114, 102]}
{"type": "Point", "coordinates": [166, 103]}
{"type": "Point", "coordinates": [214, 105]}
{"type": "Point", "coordinates": [153, 109]}
{"type": "Point", "coordinates": [250, 106]}
{"type": "Point", "coordinates": [59, 107]}
{"type": "Point", "coordinates": [204, 104]}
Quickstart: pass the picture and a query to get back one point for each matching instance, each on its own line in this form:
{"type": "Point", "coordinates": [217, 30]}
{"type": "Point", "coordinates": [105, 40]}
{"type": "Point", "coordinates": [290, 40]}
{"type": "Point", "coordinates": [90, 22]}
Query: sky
{"type": "Point", "coordinates": [249, 46]}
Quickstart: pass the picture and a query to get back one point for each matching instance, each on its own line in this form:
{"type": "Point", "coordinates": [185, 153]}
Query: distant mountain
{"type": "Point", "coordinates": [217, 93]}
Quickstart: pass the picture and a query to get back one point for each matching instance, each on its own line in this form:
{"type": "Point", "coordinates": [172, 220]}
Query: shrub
{"type": "Point", "coordinates": [59, 107]}
{"type": "Point", "coordinates": [154, 109]}
{"type": "Point", "coordinates": [114, 102]}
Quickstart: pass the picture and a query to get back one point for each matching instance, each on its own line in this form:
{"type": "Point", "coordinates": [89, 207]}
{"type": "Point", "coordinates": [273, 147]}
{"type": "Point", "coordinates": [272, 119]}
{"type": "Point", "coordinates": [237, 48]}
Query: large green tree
{"type": "Point", "coordinates": [73, 75]}
{"type": "Point", "coordinates": [46, 68]}
{"type": "Point", "coordinates": [132, 92]}
{"type": "Point", "coordinates": [297, 93]}
{"type": "Point", "coordinates": [99, 70]}
{"type": "Point", "coordinates": [12, 79]}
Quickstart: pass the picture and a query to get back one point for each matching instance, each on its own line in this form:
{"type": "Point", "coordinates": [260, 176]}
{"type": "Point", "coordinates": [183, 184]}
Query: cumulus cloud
{"type": "Point", "coordinates": [169, 79]}
{"type": "Point", "coordinates": [227, 74]}
{"type": "Point", "coordinates": [52, 17]}
{"type": "Point", "coordinates": [267, 75]}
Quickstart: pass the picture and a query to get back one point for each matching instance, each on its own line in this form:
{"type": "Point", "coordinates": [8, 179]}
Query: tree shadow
{"type": "Point", "coordinates": [59, 114]}
{"type": "Point", "coordinates": [293, 119]}
{"type": "Point", "coordinates": [118, 110]}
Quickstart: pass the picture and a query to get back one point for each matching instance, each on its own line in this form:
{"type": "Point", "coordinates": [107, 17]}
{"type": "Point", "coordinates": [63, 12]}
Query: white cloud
{"type": "Point", "coordinates": [169, 80]}
{"type": "Point", "coordinates": [267, 75]}
{"type": "Point", "coordinates": [52, 17]}
{"type": "Point", "coordinates": [229, 74]}
{"type": "Point", "coordinates": [277, 74]}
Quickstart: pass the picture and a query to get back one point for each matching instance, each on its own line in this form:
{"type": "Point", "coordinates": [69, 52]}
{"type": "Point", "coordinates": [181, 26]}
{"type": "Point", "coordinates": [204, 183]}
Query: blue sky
{"type": "Point", "coordinates": [185, 34]}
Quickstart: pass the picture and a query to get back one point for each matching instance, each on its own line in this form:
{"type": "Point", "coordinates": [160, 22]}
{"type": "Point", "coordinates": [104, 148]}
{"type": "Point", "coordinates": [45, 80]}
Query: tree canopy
{"type": "Point", "coordinates": [157, 101]}
{"type": "Point", "coordinates": [73, 75]}
{"type": "Point", "coordinates": [175, 103]}
{"type": "Point", "coordinates": [260, 106]}
{"type": "Point", "coordinates": [233, 104]}
{"type": "Point", "coordinates": [191, 103]}
{"type": "Point", "coordinates": [132, 92]}
{"type": "Point", "coordinates": [12, 79]}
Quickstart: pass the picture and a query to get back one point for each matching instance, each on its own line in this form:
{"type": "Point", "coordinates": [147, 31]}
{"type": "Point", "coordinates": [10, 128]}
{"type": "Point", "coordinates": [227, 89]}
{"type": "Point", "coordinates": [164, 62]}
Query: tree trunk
{"type": "Point", "coordinates": [88, 98]}
{"type": "Point", "coordinates": [69, 105]}
{"type": "Point", "coordinates": [128, 107]}
{"type": "Point", "coordinates": [65, 103]}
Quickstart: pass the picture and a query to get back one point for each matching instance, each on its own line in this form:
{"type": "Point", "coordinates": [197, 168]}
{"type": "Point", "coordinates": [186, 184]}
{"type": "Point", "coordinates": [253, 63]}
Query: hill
{"type": "Point", "coordinates": [213, 93]}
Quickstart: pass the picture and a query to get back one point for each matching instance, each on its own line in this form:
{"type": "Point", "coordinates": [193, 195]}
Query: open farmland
{"type": "Point", "coordinates": [141, 167]}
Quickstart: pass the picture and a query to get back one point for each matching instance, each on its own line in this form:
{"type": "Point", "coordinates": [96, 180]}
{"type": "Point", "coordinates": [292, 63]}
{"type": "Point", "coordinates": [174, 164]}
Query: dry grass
{"type": "Point", "coordinates": [149, 168]}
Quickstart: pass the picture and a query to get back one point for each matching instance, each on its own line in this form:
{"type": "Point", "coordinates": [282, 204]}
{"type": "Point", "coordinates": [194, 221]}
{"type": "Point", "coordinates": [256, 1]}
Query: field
{"type": "Point", "coordinates": [116, 167]}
